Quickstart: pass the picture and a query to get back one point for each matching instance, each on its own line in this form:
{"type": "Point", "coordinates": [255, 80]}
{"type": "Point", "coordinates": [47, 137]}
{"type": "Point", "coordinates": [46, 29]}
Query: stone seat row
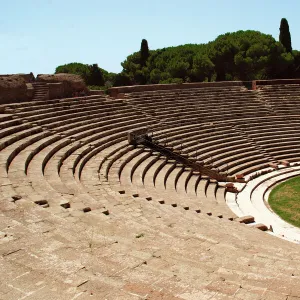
{"type": "Point", "coordinates": [60, 106]}
{"type": "Point", "coordinates": [123, 170]}
{"type": "Point", "coordinates": [276, 88]}
{"type": "Point", "coordinates": [280, 96]}
{"type": "Point", "coordinates": [80, 178]}
{"type": "Point", "coordinates": [216, 88]}
{"type": "Point", "coordinates": [46, 103]}
{"type": "Point", "coordinates": [192, 98]}
{"type": "Point", "coordinates": [186, 118]}
{"type": "Point", "coordinates": [195, 101]}
{"type": "Point", "coordinates": [268, 138]}
{"type": "Point", "coordinates": [172, 110]}
{"type": "Point", "coordinates": [105, 173]}
{"type": "Point", "coordinates": [54, 105]}
{"type": "Point", "coordinates": [288, 87]}
{"type": "Point", "coordinates": [41, 116]}
{"type": "Point", "coordinates": [203, 111]}
{"type": "Point", "coordinates": [208, 146]}
{"type": "Point", "coordinates": [64, 119]}
{"type": "Point", "coordinates": [192, 92]}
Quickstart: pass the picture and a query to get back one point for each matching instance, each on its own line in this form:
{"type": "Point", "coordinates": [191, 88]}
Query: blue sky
{"type": "Point", "coordinates": [38, 35]}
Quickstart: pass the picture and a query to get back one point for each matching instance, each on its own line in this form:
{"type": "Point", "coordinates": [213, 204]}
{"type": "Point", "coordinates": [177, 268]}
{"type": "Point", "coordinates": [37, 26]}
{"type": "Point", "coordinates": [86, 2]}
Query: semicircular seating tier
{"type": "Point", "coordinates": [83, 213]}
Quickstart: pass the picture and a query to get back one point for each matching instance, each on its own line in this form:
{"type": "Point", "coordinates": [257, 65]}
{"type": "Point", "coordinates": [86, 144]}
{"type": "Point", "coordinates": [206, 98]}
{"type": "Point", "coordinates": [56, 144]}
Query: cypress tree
{"type": "Point", "coordinates": [95, 76]}
{"type": "Point", "coordinates": [285, 36]}
{"type": "Point", "coordinates": [144, 52]}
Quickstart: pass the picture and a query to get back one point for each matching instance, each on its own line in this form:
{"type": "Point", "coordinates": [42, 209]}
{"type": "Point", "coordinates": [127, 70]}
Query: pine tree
{"type": "Point", "coordinates": [144, 52]}
{"type": "Point", "coordinates": [285, 36]}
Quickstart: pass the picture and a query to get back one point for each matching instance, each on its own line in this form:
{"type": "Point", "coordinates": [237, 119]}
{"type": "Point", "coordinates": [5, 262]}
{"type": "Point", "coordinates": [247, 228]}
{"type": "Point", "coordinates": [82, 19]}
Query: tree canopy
{"type": "Point", "coordinates": [91, 74]}
{"type": "Point", "coordinates": [241, 55]}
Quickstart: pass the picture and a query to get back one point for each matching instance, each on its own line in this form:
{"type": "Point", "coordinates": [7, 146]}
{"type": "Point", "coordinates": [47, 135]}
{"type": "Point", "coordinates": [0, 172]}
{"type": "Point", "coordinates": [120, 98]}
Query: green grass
{"type": "Point", "coordinates": [285, 201]}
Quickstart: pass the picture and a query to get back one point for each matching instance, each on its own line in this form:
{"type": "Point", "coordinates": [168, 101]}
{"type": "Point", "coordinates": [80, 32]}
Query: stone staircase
{"type": "Point", "coordinates": [41, 91]}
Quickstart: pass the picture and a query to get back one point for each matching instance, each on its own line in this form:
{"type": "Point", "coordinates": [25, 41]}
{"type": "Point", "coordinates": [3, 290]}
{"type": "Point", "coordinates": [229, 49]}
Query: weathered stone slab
{"type": "Point", "coordinates": [261, 226]}
{"type": "Point", "coordinates": [245, 219]}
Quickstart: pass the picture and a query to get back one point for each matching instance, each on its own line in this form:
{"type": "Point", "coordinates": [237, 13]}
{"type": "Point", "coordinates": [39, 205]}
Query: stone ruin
{"type": "Point", "coordinates": [25, 87]}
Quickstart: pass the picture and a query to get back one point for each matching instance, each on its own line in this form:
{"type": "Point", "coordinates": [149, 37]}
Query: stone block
{"type": "Point", "coordinates": [41, 202]}
{"type": "Point", "coordinates": [245, 219]}
{"type": "Point", "coordinates": [16, 198]}
{"type": "Point", "coordinates": [261, 226]}
{"type": "Point", "coordinates": [65, 205]}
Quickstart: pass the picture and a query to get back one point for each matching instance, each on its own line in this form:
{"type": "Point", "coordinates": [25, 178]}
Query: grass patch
{"type": "Point", "coordinates": [284, 199]}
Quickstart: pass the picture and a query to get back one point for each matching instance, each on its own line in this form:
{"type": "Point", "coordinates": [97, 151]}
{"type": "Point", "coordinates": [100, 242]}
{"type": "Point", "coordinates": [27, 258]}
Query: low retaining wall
{"type": "Point", "coordinates": [71, 83]}
{"type": "Point", "coordinates": [115, 91]}
{"type": "Point", "coordinates": [96, 92]}
{"type": "Point", "coordinates": [256, 83]}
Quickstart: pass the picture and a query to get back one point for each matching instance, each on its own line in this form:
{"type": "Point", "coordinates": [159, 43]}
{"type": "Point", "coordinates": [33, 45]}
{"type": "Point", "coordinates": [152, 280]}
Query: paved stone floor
{"type": "Point", "coordinates": [153, 255]}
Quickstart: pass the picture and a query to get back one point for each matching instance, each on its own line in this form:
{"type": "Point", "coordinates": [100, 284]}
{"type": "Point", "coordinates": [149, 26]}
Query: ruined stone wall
{"type": "Point", "coordinates": [56, 90]}
{"type": "Point", "coordinates": [12, 89]}
{"type": "Point", "coordinates": [30, 91]}
{"type": "Point", "coordinates": [28, 77]}
{"type": "Point", "coordinates": [71, 83]}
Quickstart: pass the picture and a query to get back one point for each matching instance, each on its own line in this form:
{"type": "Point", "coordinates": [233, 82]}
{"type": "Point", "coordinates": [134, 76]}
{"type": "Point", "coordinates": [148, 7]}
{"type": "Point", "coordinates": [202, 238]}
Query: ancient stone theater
{"type": "Point", "coordinates": [147, 192]}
